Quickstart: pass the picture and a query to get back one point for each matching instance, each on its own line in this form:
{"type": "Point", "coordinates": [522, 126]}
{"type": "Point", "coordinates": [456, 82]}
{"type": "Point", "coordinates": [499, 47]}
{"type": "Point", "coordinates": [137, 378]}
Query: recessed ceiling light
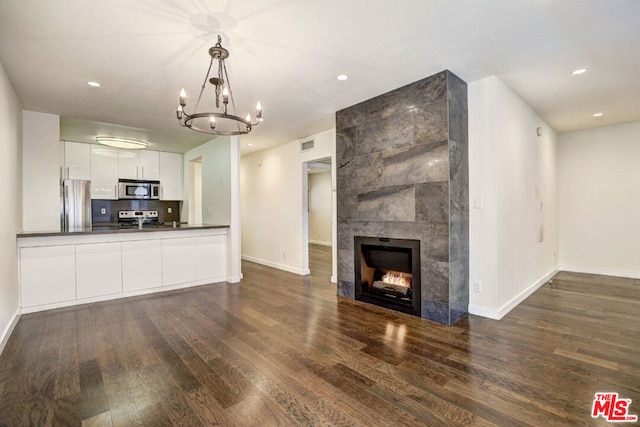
{"type": "Point", "coordinates": [94, 84]}
{"type": "Point", "coordinates": [598, 115]}
{"type": "Point", "coordinates": [250, 145]}
{"type": "Point", "coordinates": [579, 71]}
{"type": "Point", "coordinates": [343, 77]}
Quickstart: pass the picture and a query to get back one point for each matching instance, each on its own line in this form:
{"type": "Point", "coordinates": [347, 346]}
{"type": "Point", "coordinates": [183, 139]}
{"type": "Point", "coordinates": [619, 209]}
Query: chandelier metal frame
{"type": "Point", "coordinates": [222, 87]}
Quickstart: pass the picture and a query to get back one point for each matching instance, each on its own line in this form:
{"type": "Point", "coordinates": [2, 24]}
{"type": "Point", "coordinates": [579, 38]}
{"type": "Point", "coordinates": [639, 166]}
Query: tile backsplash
{"type": "Point", "coordinates": [111, 208]}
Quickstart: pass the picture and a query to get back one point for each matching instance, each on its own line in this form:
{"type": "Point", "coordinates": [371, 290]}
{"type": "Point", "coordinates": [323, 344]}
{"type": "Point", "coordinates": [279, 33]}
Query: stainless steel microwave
{"type": "Point", "coordinates": [138, 189]}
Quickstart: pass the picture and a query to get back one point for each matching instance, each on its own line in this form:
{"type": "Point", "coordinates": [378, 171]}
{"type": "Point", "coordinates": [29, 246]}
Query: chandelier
{"type": "Point", "coordinates": [217, 122]}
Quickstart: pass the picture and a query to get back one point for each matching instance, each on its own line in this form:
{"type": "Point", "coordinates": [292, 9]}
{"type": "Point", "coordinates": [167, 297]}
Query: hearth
{"type": "Point", "coordinates": [387, 273]}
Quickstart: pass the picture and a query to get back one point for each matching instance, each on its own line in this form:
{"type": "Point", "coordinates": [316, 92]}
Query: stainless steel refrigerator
{"type": "Point", "coordinates": [76, 205]}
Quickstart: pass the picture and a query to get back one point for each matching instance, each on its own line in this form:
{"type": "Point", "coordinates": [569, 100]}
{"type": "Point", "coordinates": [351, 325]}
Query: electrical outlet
{"type": "Point", "coordinates": [103, 211]}
{"type": "Point", "coordinates": [478, 203]}
{"type": "Point", "coordinates": [169, 210]}
{"type": "Point", "coordinates": [477, 286]}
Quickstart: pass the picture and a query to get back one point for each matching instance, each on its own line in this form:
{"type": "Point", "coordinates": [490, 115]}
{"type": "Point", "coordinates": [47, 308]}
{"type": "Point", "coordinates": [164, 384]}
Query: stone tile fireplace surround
{"type": "Point", "coordinates": [402, 173]}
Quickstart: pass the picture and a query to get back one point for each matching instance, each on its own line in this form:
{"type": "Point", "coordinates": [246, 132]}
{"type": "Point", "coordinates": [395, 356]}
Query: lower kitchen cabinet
{"type": "Point", "coordinates": [98, 269]}
{"type": "Point", "coordinates": [47, 275]}
{"type": "Point", "coordinates": [63, 269]}
{"type": "Point", "coordinates": [141, 265]}
{"type": "Point", "coordinates": [211, 257]}
{"type": "Point", "coordinates": [178, 260]}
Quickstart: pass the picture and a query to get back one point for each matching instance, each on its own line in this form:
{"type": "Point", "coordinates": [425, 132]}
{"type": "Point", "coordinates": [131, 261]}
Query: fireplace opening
{"type": "Point", "coordinates": [388, 273]}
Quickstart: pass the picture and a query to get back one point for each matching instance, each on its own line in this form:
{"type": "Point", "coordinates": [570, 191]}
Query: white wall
{"type": "Point", "coordinates": [11, 196]}
{"type": "Point", "coordinates": [514, 236]}
{"type": "Point", "coordinates": [216, 181]}
{"type": "Point", "coordinates": [220, 174]}
{"type": "Point", "coordinates": [320, 208]}
{"type": "Point", "coordinates": [41, 171]}
{"type": "Point", "coordinates": [599, 185]}
{"type": "Point", "coordinates": [273, 199]}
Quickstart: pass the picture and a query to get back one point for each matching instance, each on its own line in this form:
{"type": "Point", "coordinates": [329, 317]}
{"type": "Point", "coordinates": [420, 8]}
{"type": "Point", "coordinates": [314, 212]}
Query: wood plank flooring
{"type": "Point", "coordinates": [282, 350]}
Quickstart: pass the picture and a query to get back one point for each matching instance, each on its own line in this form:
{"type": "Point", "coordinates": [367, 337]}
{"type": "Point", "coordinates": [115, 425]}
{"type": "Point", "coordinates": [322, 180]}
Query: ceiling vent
{"type": "Point", "coordinates": [307, 145]}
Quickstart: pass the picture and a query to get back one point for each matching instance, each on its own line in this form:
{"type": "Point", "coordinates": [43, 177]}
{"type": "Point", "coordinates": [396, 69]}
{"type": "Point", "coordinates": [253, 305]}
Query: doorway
{"type": "Point", "coordinates": [317, 217]}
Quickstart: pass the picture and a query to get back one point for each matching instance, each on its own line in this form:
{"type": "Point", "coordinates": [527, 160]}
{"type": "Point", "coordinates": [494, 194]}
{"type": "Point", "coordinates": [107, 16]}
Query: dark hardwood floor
{"type": "Point", "coordinates": [281, 349]}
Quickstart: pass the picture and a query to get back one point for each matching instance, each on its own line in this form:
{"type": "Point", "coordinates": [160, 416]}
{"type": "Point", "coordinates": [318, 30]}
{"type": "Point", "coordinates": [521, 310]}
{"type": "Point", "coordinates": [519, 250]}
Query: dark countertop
{"type": "Point", "coordinates": [111, 228]}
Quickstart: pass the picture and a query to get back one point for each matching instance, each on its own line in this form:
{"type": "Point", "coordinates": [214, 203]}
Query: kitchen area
{"type": "Point", "coordinates": [125, 217]}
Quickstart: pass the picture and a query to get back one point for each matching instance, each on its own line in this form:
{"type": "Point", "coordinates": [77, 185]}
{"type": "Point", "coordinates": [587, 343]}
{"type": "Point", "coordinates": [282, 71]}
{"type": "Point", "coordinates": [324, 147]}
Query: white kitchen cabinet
{"type": "Point", "coordinates": [104, 172]}
{"type": "Point", "coordinates": [47, 275]}
{"type": "Point", "coordinates": [77, 160]}
{"type": "Point", "coordinates": [141, 265]}
{"type": "Point", "coordinates": [211, 257]}
{"type": "Point", "coordinates": [171, 176]}
{"type": "Point", "coordinates": [149, 165]}
{"type": "Point", "coordinates": [178, 260]}
{"type": "Point", "coordinates": [98, 269]}
{"type": "Point", "coordinates": [139, 164]}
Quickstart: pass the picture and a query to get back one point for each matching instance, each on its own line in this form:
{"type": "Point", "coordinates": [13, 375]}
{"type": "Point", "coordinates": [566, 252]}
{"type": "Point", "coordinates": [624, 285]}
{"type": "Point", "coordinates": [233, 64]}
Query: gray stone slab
{"type": "Point", "coordinates": [436, 311]}
{"type": "Point", "coordinates": [385, 134]}
{"type": "Point", "coordinates": [432, 201]}
{"type": "Point", "coordinates": [414, 165]}
{"type": "Point", "coordinates": [435, 280]}
{"type": "Point", "coordinates": [345, 146]}
{"type": "Point", "coordinates": [431, 123]}
{"type": "Point", "coordinates": [387, 204]}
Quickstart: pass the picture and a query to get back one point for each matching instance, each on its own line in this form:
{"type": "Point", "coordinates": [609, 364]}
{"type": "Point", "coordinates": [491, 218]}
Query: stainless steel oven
{"type": "Point", "coordinates": [138, 189]}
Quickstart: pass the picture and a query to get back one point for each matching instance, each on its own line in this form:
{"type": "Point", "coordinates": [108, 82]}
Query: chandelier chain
{"type": "Point", "coordinates": [204, 85]}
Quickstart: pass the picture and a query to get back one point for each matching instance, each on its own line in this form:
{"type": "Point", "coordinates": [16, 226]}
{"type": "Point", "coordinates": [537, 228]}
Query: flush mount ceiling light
{"type": "Point", "coordinates": [598, 114]}
{"type": "Point", "coordinates": [216, 122]}
{"type": "Point", "coordinates": [94, 84]}
{"type": "Point", "coordinates": [130, 144]}
{"type": "Point", "coordinates": [579, 71]}
{"type": "Point", "coordinates": [343, 77]}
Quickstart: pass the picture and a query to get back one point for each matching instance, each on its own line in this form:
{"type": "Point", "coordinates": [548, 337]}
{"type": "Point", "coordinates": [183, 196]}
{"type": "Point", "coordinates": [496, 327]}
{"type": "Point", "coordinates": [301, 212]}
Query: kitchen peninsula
{"type": "Point", "coordinates": [59, 269]}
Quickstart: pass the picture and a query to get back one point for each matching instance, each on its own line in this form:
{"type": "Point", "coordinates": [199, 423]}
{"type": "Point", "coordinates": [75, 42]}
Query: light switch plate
{"type": "Point", "coordinates": [103, 211]}
{"type": "Point", "coordinates": [169, 210]}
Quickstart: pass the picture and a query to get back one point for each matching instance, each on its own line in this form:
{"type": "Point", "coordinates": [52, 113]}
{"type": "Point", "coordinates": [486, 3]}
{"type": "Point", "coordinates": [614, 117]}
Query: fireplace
{"type": "Point", "coordinates": [387, 273]}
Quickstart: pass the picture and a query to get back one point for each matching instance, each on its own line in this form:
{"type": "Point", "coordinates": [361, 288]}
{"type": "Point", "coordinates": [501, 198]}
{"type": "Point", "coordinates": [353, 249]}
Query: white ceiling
{"type": "Point", "coordinates": [288, 53]}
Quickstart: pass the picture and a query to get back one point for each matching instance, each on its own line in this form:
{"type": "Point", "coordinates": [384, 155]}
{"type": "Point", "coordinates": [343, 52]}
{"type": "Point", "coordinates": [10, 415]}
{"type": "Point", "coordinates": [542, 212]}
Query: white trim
{"type": "Point", "coordinates": [4, 338]}
{"type": "Point", "coordinates": [319, 242]}
{"type": "Point", "coordinates": [70, 303]}
{"type": "Point", "coordinates": [487, 312]}
{"type": "Point", "coordinates": [498, 314]}
{"type": "Point", "coordinates": [300, 271]}
{"type": "Point", "coordinates": [601, 271]}
{"type": "Point", "coordinates": [234, 279]}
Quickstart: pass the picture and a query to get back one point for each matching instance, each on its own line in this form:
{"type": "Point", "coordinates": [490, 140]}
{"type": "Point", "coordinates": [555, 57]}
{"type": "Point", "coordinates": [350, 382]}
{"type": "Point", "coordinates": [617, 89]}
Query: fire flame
{"type": "Point", "coordinates": [397, 280]}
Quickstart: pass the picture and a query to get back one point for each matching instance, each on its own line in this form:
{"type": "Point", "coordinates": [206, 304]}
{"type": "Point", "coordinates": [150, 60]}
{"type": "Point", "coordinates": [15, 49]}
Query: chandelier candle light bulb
{"type": "Point", "coordinates": [220, 122]}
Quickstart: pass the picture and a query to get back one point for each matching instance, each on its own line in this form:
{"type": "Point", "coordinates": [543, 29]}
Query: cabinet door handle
{"type": "Point", "coordinates": [115, 191]}
{"type": "Point", "coordinates": [68, 172]}
{"type": "Point", "coordinates": [137, 172]}
{"type": "Point", "coordinates": [142, 169]}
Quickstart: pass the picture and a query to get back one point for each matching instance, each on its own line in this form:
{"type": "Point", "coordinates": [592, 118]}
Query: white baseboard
{"type": "Point", "coordinates": [318, 242]}
{"type": "Point", "coordinates": [499, 313]}
{"type": "Point", "coordinates": [300, 271]}
{"type": "Point", "coordinates": [4, 338]}
{"type": "Point", "coordinates": [70, 303]}
{"type": "Point", "coordinates": [601, 271]}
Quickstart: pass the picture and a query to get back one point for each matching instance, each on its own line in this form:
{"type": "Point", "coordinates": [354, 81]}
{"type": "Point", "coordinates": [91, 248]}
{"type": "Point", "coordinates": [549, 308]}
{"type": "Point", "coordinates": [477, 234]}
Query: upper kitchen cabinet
{"type": "Point", "coordinates": [77, 161]}
{"type": "Point", "coordinates": [104, 172]}
{"type": "Point", "coordinates": [139, 164]}
{"type": "Point", "coordinates": [171, 177]}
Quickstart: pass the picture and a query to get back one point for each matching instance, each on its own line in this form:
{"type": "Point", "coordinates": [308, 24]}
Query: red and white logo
{"type": "Point", "coordinates": [612, 408]}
